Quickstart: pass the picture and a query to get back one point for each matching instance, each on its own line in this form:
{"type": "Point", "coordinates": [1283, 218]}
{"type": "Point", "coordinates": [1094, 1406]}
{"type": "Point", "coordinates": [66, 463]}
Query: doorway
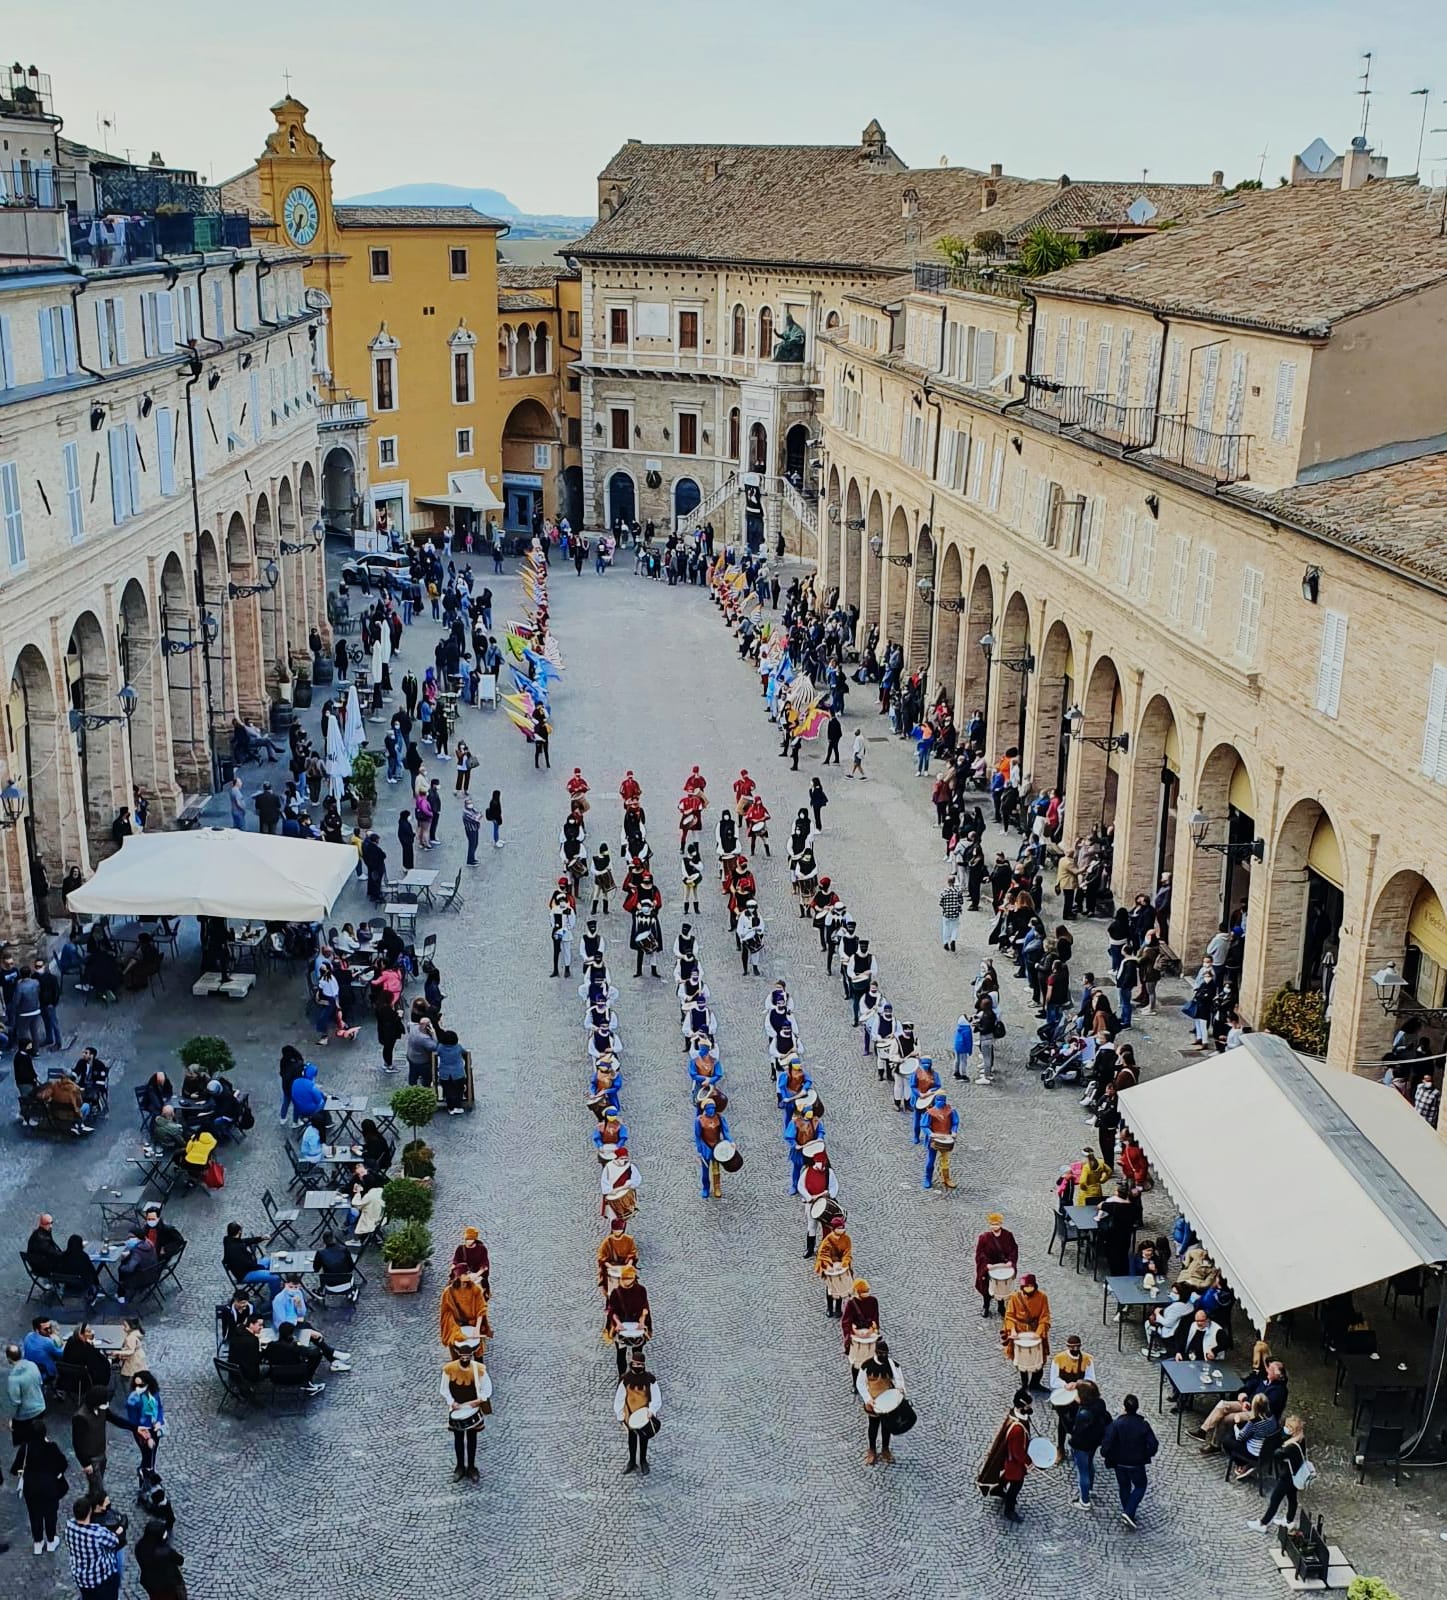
{"type": "Point", "coordinates": [621, 502]}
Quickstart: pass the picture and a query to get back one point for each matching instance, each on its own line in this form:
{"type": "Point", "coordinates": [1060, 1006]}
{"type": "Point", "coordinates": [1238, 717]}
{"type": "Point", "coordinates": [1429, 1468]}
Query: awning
{"type": "Point", "coordinates": [218, 872]}
{"type": "Point", "coordinates": [467, 491]}
{"type": "Point", "coordinates": [1303, 1181]}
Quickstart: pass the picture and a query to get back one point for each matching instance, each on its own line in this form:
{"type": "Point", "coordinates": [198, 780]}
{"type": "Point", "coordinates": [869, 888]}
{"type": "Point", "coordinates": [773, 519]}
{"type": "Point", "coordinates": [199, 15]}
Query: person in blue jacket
{"type": "Point", "coordinates": [943, 1121]}
{"type": "Point", "coordinates": [308, 1098]}
{"type": "Point", "coordinates": [964, 1047]}
{"type": "Point", "coordinates": [709, 1127]}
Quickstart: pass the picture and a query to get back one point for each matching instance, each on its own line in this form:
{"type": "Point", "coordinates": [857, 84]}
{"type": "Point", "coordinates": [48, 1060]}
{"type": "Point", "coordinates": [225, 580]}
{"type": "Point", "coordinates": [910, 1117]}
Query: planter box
{"type": "Point", "coordinates": [404, 1280]}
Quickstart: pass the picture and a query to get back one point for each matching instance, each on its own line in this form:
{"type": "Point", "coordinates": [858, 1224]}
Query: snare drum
{"type": "Point", "coordinates": [1042, 1453]}
{"type": "Point", "coordinates": [1062, 1399]}
{"type": "Point", "coordinates": [1002, 1280]}
{"type": "Point", "coordinates": [888, 1400]}
{"type": "Point", "coordinates": [1029, 1351]}
{"type": "Point", "coordinates": [942, 1141]}
{"type": "Point", "coordinates": [837, 1282]}
{"type": "Point", "coordinates": [466, 1418]}
{"type": "Point", "coordinates": [631, 1335]}
{"type": "Point", "coordinates": [861, 1346]}
{"type": "Point", "coordinates": [606, 1152]}
{"type": "Point", "coordinates": [726, 1153]}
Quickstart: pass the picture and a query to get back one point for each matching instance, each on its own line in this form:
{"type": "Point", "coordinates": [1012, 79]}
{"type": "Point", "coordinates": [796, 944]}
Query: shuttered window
{"type": "Point", "coordinates": [984, 359]}
{"type": "Point", "coordinates": [1122, 377]}
{"type": "Point", "coordinates": [1205, 590]}
{"type": "Point", "coordinates": [1434, 743]}
{"type": "Point", "coordinates": [1145, 567]}
{"type": "Point", "coordinates": [1102, 358]}
{"type": "Point", "coordinates": [1236, 393]}
{"type": "Point", "coordinates": [977, 472]}
{"type": "Point", "coordinates": [1333, 658]}
{"type": "Point", "coordinates": [166, 450]}
{"type": "Point", "coordinates": [74, 503]}
{"type": "Point", "coordinates": [1062, 350]}
{"type": "Point", "coordinates": [1206, 397]}
{"type": "Point", "coordinates": [1153, 371]}
{"type": "Point", "coordinates": [1285, 392]}
{"type": "Point", "coordinates": [1173, 378]}
{"type": "Point", "coordinates": [1248, 621]}
{"type": "Point", "coordinates": [1125, 550]}
{"type": "Point", "coordinates": [997, 471]}
{"type": "Point", "coordinates": [1180, 566]}
{"type": "Point", "coordinates": [1095, 530]}
{"type": "Point", "coordinates": [14, 514]}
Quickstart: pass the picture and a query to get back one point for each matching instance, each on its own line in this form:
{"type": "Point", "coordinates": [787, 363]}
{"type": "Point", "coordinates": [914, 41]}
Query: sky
{"type": "Point", "coordinates": [533, 100]}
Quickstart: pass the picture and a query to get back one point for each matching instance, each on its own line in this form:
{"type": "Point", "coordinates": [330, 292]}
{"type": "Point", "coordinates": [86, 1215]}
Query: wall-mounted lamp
{"type": "Point", "coordinates": [94, 719]}
{"type": "Point", "coordinates": [97, 418]}
{"type": "Point", "coordinates": [12, 805]}
{"type": "Point", "coordinates": [1233, 849]}
{"type": "Point", "coordinates": [1153, 505]}
{"type": "Point", "coordinates": [213, 378]}
{"type": "Point", "coordinates": [1311, 585]}
{"type": "Point", "coordinates": [243, 591]}
{"type": "Point", "coordinates": [147, 405]}
{"type": "Point", "coordinates": [1017, 443]}
{"type": "Point", "coordinates": [1107, 741]}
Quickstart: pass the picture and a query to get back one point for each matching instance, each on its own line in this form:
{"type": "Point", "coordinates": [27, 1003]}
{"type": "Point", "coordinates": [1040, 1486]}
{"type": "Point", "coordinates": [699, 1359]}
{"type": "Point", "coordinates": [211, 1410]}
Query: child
{"type": "Point", "coordinates": [964, 1047]}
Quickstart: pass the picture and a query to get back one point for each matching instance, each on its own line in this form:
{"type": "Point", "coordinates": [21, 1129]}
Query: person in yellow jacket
{"type": "Point", "coordinates": [834, 1263]}
{"type": "Point", "coordinates": [1090, 1185]}
{"type": "Point", "coordinates": [198, 1152]}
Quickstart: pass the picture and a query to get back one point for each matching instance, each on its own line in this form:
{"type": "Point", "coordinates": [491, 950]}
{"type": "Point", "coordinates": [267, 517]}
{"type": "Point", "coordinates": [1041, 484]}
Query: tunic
{"type": "Point", "coordinates": [617, 1251]}
{"type": "Point", "coordinates": [1027, 1311]}
{"type": "Point", "coordinates": [993, 1250]}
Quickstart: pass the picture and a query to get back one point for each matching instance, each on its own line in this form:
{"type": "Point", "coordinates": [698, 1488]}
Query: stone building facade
{"type": "Point", "coordinates": [1192, 491]}
{"type": "Point", "coordinates": [158, 460]}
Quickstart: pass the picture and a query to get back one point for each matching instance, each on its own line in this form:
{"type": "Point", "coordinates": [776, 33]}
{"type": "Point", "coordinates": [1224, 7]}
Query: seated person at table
{"type": "Point", "coordinates": [140, 1268]}
{"type": "Point", "coordinates": [308, 1098]}
{"type": "Point", "coordinates": [167, 1134]}
{"type": "Point", "coordinates": [1197, 1269]}
{"type": "Point", "coordinates": [80, 1351]}
{"type": "Point", "coordinates": [144, 965]}
{"type": "Point", "coordinates": [91, 1072]}
{"type": "Point", "coordinates": [239, 1257]}
{"type": "Point", "coordinates": [1165, 1322]}
{"type": "Point", "coordinates": [42, 1249]}
{"type": "Point", "coordinates": [289, 1307]}
{"type": "Point", "coordinates": [227, 1107]}
{"type": "Point", "coordinates": [102, 971]}
{"type": "Point", "coordinates": [376, 1150]}
{"type": "Point", "coordinates": [156, 1094]}
{"type": "Point", "coordinates": [198, 1152]}
{"type": "Point", "coordinates": [292, 1364]}
{"type": "Point", "coordinates": [43, 1345]}
{"type": "Point", "coordinates": [75, 1269]}
{"type": "Point", "coordinates": [364, 1215]}
{"type": "Point", "coordinates": [244, 1347]}
{"type": "Point", "coordinates": [1254, 1433]}
{"type": "Point", "coordinates": [1199, 1339]}
{"type": "Point", "coordinates": [236, 1314]}
{"type": "Point", "coordinates": [333, 1262]}
{"type": "Point", "coordinates": [66, 1103]}
{"type": "Point", "coordinates": [166, 1240]}
{"type": "Point", "coordinates": [1153, 1256]}
{"type": "Point", "coordinates": [1267, 1377]}
{"type": "Point", "coordinates": [309, 1151]}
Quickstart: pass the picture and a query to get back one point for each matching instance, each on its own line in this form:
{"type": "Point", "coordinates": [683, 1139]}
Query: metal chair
{"type": "Point", "coordinates": [453, 899]}
{"type": "Point", "coordinates": [1409, 1285]}
{"type": "Point", "coordinates": [1380, 1446]}
{"type": "Point", "coordinates": [236, 1385]}
{"type": "Point", "coordinates": [302, 1178]}
{"type": "Point", "coordinates": [429, 948]}
{"type": "Point", "coordinates": [168, 1270]}
{"type": "Point", "coordinates": [347, 1293]}
{"type": "Point", "coordinates": [283, 1220]}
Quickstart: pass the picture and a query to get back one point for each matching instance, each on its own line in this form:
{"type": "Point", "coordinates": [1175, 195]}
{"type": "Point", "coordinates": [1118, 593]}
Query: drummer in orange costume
{"type": "Point", "coordinates": [466, 1390]}
{"type": "Point", "coordinates": [834, 1262]}
{"type": "Point", "coordinates": [1025, 1335]}
{"type": "Point", "coordinates": [618, 1250]}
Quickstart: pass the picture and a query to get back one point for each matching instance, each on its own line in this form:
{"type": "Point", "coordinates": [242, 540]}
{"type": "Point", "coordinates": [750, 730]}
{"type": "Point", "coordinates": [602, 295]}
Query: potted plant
{"type": "Point", "coordinates": [301, 689]}
{"type": "Point", "coordinates": [405, 1200]}
{"type": "Point", "coordinates": [364, 785]}
{"type": "Point", "coordinates": [405, 1250]}
{"type": "Point", "coordinates": [416, 1106]}
{"type": "Point", "coordinates": [211, 1054]}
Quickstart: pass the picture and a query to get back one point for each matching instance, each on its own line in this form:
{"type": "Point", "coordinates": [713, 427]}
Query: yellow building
{"type": "Point", "coordinates": [539, 313]}
{"type": "Point", "coordinates": [413, 412]}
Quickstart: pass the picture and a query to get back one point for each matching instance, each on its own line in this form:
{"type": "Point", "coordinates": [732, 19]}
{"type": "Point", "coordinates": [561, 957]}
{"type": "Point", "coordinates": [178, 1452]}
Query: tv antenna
{"type": "Point", "coordinates": [1366, 91]}
{"type": "Point", "coordinates": [1422, 131]}
{"type": "Point", "coordinates": [1261, 170]}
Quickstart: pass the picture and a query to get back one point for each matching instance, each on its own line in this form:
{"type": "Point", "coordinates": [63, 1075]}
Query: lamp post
{"type": "Point", "coordinates": [12, 805]}
{"type": "Point", "coordinates": [270, 573]}
{"type": "Point", "coordinates": [1232, 849]}
{"type": "Point", "coordinates": [1022, 664]}
{"type": "Point", "coordinates": [1391, 987]}
{"type": "Point", "coordinates": [82, 721]}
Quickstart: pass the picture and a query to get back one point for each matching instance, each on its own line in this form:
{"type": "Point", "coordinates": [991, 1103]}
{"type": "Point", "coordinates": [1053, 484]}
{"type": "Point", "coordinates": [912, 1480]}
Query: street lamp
{"type": "Point", "coordinates": [1391, 986]}
{"type": "Point", "coordinates": [94, 719]}
{"type": "Point", "coordinates": [1107, 742]}
{"type": "Point", "coordinates": [876, 545]}
{"type": "Point", "coordinates": [1232, 849]}
{"type": "Point", "coordinates": [926, 587]}
{"type": "Point", "coordinates": [12, 805]}
{"type": "Point", "coordinates": [270, 573]}
{"type": "Point", "coordinates": [210, 632]}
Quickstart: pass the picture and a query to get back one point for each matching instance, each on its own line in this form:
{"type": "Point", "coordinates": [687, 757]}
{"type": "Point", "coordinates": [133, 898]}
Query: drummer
{"type": "Point", "coordinates": [816, 1185]}
{"type": "Point", "coordinates": [834, 1263]}
{"type": "Point", "coordinates": [605, 1084]}
{"type": "Point", "coordinates": [636, 1403]}
{"type": "Point", "coordinates": [1025, 1334]}
{"type": "Point", "coordinates": [466, 1389]}
{"type": "Point", "coordinates": [618, 1250]}
{"type": "Point", "coordinates": [695, 782]}
{"type": "Point", "coordinates": [462, 1313]}
{"type": "Point", "coordinates": [592, 945]}
{"type": "Point", "coordinates": [924, 1085]}
{"type": "Point", "coordinates": [690, 817]}
{"type": "Point", "coordinates": [876, 1377]}
{"type": "Point", "coordinates": [859, 1323]}
{"type": "Point", "coordinates": [884, 1035]}
{"type": "Point", "coordinates": [704, 1070]}
{"type": "Point", "coordinates": [627, 1316]}
{"type": "Point", "coordinates": [610, 1133]}
{"type": "Point", "coordinates": [578, 790]}
{"type": "Point", "coordinates": [603, 881]}
{"type": "Point", "coordinates": [995, 1249]}
{"type": "Point", "coordinates": [942, 1124]}
{"type": "Point", "coordinates": [630, 791]}
{"type": "Point", "coordinates": [472, 1254]}
{"type": "Point", "coordinates": [620, 1183]}
{"type": "Point", "coordinates": [803, 1135]}
{"type": "Point", "coordinates": [791, 1082]}
{"type": "Point", "coordinates": [906, 1059]}
{"type": "Point", "coordinates": [1068, 1368]}
{"type": "Point", "coordinates": [710, 1129]}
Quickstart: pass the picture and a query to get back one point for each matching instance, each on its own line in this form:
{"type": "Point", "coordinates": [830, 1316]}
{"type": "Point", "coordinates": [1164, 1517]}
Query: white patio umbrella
{"type": "Point", "coordinates": [335, 758]}
{"type": "Point", "coordinates": [354, 735]}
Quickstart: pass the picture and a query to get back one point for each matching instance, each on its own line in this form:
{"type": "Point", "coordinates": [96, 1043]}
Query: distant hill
{"type": "Point", "coordinates": [489, 201]}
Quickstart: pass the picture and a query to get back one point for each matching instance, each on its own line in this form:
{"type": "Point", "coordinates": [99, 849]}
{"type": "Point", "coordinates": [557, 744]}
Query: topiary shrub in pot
{"type": "Point", "coordinates": [415, 1106]}
{"type": "Point", "coordinates": [405, 1250]}
{"type": "Point", "coordinates": [405, 1200]}
{"type": "Point", "coordinates": [206, 1051]}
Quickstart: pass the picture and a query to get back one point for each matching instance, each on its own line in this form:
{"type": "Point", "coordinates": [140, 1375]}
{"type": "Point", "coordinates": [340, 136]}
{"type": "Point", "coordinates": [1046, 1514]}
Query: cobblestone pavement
{"type": "Point", "coordinates": [758, 1486]}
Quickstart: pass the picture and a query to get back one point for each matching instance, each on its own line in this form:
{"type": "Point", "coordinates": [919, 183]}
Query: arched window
{"type": "Point", "coordinates": [522, 351]}
{"type": "Point", "coordinates": [832, 320]}
{"type": "Point", "coordinates": [540, 348]}
{"type": "Point", "coordinates": [766, 334]}
{"type": "Point", "coordinates": [758, 448]}
{"type": "Point", "coordinates": [741, 332]}
{"type": "Point", "coordinates": [504, 351]}
{"type": "Point", "coordinates": [734, 434]}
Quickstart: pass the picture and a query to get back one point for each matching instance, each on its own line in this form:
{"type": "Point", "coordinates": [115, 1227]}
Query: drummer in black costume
{"type": "Point", "coordinates": [602, 877]}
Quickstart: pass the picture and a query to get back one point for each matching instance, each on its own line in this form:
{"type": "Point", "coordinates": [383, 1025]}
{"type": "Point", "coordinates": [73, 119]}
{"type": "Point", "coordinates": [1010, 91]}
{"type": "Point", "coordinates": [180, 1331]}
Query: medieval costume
{"type": "Point", "coordinates": [995, 1247]}
{"type": "Point", "coordinates": [1025, 1333]}
{"type": "Point", "coordinates": [834, 1262]}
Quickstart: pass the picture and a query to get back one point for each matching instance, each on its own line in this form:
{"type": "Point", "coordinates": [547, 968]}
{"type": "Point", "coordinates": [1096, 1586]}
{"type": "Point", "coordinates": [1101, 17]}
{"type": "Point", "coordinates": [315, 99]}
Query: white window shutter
{"type": "Point", "coordinates": [1180, 563]}
{"type": "Point", "coordinates": [1077, 360]}
{"type": "Point", "coordinates": [1062, 350]}
{"type": "Point", "coordinates": [1333, 658]}
{"type": "Point", "coordinates": [1125, 550]}
{"type": "Point", "coordinates": [166, 450]}
{"type": "Point", "coordinates": [1206, 397]}
{"type": "Point", "coordinates": [1145, 571]}
{"type": "Point", "coordinates": [198, 440]}
{"type": "Point", "coordinates": [997, 470]}
{"type": "Point", "coordinates": [122, 355]}
{"type": "Point", "coordinates": [1097, 532]}
{"type": "Point", "coordinates": [1205, 590]}
{"type": "Point", "coordinates": [1285, 390]}
{"type": "Point", "coordinates": [977, 472]}
{"type": "Point", "coordinates": [67, 337]}
{"type": "Point", "coordinates": [165, 325]}
{"type": "Point", "coordinates": [1102, 358]}
{"type": "Point", "coordinates": [1173, 378]}
{"type": "Point", "coordinates": [1042, 339]}
{"type": "Point", "coordinates": [254, 401]}
{"type": "Point", "coordinates": [1008, 368]}
{"type": "Point", "coordinates": [120, 475]}
{"type": "Point", "coordinates": [1122, 379]}
{"type": "Point", "coordinates": [48, 363]}
{"type": "Point", "coordinates": [75, 505]}
{"type": "Point", "coordinates": [984, 359]}
{"type": "Point", "coordinates": [1248, 625]}
{"type": "Point", "coordinates": [1434, 743]}
{"type": "Point", "coordinates": [102, 337]}
{"type": "Point", "coordinates": [148, 323]}
{"type": "Point", "coordinates": [1153, 373]}
{"type": "Point", "coordinates": [1042, 507]}
{"type": "Point", "coordinates": [1236, 394]}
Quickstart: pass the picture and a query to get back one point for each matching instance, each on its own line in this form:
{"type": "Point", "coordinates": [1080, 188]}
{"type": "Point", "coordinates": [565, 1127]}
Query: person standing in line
{"type": "Point", "coordinates": [817, 801]}
{"type": "Point", "coordinates": [1007, 1460]}
{"type": "Point", "coordinates": [471, 827]}
{"type": "Point", "coordinates": [985, 1024]}
{"type": "Point", "coordinates": [493, 814]}
{"type": "Point", "coordinates": [856, 762]}
{"type": "Point", "coordinates": [834, 732]}
{"type": "Point", "coordinates": [636, 1404]}
{"type": "Point", "coordinates": [407, 838]}
{"type": "Point", "coordinates": [434, 799]}
{"type": "Point", "coordinates": [952, 904]}
{"type": "Point", "coordinates": [1128, 1447]}
{"type": "Point", "coordinates": [540, 739]}
{"type": "Point", "coordinates": [236, 794]}
{"type": "Point", "coordinates": [466, 761]}
{"type": "Point", "coordinates": [963, 1045]}
{"type": "Point", "coordinates": [878, 1374]}
{"type": "Point", "coordinates": [466, 1389]}
{"type": "Point", "coordinates": [42, 1489]}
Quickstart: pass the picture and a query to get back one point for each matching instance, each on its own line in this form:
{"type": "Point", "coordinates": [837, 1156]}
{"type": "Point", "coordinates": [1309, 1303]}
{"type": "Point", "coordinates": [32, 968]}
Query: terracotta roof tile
{"type": "Point", "coordinates": [1088, 204]}
{"type": "Point", "coordinates": [1398, 513]}
{"type": "Point", "coordinates": [523, 302]}
{"type": "Point", "coordinates": [1291, 260]}
{"type": "Point", "coordinates": [510, 275]}
{"type": "Point", "coordinates": [413, 217]}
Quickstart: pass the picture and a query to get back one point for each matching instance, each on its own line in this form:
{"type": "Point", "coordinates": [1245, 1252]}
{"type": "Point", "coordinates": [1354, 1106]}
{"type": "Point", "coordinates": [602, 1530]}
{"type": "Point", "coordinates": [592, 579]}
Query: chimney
{"type": "Point", "coordinates": [1356, 167]}
{"type": "Point", "coordinates": [996, 170]}
{"type": "Point", "coordinates": [1218, 179]}
{"type": "Point", "coordinates": [1064, 180]}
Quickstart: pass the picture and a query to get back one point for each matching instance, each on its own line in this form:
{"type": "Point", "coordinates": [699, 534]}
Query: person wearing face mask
{"type": "Point", "coordinates": [995, 1248]}
{"type": "Point", "coordinates": [466, 1390]}
{"type": "Point", "coordinates": [1007, 1461]}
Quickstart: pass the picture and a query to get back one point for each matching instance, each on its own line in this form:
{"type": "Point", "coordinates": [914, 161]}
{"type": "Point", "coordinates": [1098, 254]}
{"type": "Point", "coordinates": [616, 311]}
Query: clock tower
{"type": "Point", "coordinates": [294, 176]}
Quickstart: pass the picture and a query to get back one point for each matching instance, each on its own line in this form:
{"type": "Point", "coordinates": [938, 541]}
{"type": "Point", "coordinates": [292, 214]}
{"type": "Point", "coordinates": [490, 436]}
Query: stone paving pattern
{"type": "Point", "coordinates": [758, 1486]}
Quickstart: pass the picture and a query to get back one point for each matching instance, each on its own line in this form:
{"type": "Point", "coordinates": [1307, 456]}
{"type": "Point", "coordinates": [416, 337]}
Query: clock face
{"type": "Point", "coordinates": [300, 216]}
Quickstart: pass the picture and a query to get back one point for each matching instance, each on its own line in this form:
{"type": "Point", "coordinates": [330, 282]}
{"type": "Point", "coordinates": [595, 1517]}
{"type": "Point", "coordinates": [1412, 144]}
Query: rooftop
{"type": "Point", "coordinates": [511, 275]}
{"type": "Point", "coordinates": [413, 217]}
{"type": "Point", "coordinates": [523, 302]}
{"type": "Point", "coordinates": [1397, 514]}
{"type": "Point", "coordinates": [1084, 204]}
{"type": "Point", "coordinates": [1291, 260]}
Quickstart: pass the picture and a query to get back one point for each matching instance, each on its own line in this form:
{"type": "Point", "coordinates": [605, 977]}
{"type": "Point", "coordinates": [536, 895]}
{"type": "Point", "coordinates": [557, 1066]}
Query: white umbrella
{"type": "Point", "coordinates": [353, 733]}
{"type": "Point", "coordinates": [335, 758]}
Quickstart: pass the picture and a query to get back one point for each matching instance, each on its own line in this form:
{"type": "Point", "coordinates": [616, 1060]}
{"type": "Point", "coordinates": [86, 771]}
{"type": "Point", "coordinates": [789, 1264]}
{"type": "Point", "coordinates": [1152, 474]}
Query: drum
{"type": "Point", "coordinates": [1042, 1453]}
{"type": "Point", "coordinates": [631, 1335]}
{"type": "Point", "coordinates": [466, 1418]}
{"type": "Point", "coordinates": [643, 1421]}
{"type": "Point", "coordinates": [614, 1275]}
{"type": "Point", "coordinates": [888, 1401]}
{"type": "Point", "coordinates": [606, 1152]}
{"type": "Point", "coordinates": [942, 1141]}
{"type": "Point", "coordinates": [837, 1282]}
{"type": "Point", "coordinates": [728, 1156]}
{"type": "Point", "coordinates": [1002, 1280]}
{"type": "Point", "coordinates": [819, 1209]}
{"type": "Point", "coordinates": [815, 1147]}
{"type": "Point", "coordinates": [623, 1203]}
{"type": "Point", "coordinates": [1029, 1353]}
{"type": "Point", "coordinates": [861, 1346]}
{"type": "Point", "coordinates": [901, 1419]}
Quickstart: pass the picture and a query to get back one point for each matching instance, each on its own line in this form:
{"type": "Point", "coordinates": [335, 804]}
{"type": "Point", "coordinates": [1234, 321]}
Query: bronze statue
{"type": "Point", "coordinates": [791, 340]}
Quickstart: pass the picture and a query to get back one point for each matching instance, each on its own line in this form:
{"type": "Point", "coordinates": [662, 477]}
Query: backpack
{"type": "Point", "coordinates": [1305, 1474]}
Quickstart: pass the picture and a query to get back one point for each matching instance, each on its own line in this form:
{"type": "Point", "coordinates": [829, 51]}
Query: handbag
{"type": "Point", "coordinates": [1305, 1474]}
{"type": "Point", "coordinates": [213, 1174]}
{"type": "Point", "coordinates": [999, 1027]}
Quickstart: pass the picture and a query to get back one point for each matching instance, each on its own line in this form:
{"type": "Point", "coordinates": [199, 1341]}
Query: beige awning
{"type": "Point", "coordinates": [1303, 1181]}
{"type": "Point", "coordinates": [467, 491]}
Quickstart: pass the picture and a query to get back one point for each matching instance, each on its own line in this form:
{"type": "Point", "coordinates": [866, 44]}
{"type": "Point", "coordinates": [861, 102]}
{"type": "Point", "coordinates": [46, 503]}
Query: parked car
{"type": "Point", "coordinates": [376, 564]}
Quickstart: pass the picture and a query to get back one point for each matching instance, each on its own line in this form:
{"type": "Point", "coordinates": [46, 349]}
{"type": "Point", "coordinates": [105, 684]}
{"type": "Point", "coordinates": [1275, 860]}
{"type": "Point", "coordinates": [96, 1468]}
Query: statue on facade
{"type": "Point", "coordinates": [791, 340]}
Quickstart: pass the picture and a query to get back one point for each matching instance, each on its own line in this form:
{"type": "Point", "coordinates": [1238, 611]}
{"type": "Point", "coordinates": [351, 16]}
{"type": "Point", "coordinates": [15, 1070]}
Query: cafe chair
{"type": "Point", "coordinates": [1263, 1469]}
{"type": "Point", "coordinates": [347, 1293]}
{"type": "Point", "coordinates": [1410, 1286]}
{"type": "Point", "coordinates": [237, 1388]}
{"type": "Point", "coordinates": [1381, 1445]}
{"type": "Point", "coordinates": [50, 1288]}
{"type": "Point", "coordinates": [283, 1220]}
{"type": "Point", "coordinates": [429, 948]}
{"type": "Point", "coordinates": [453, 900]}
{"type": "Point", "coordinates": [169, 1268]}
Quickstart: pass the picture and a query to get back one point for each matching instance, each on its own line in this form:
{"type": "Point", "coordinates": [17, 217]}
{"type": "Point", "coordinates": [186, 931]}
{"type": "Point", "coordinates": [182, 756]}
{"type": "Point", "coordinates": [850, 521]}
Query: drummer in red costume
{"type": "Point", "coordinates": [578, 790]}
{"type": "Point", "coordinates": [744, 788]}
{"type": "Point", "coordinates": [859, 1323]}
{"type": "Point", "coordinates": [630, 791]}
{"type": "Point", "coordinates": [756, 820]}
{"type": "Point", "coordinates": [995, 1247]}
{"type": "Point", "coordinates": [690, 816]}
{"type": "Point", "coordinates": [628, 1310]}
{"type": "Point", "coordinates": [816, 1183]}
{"type": "Point", "coordinates": [695, 782]}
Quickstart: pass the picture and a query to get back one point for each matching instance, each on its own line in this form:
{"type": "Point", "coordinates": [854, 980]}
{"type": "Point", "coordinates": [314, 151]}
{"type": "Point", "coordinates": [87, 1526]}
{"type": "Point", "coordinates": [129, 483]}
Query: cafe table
{"type": "Point", "coordinates": [1190, 1378]}
{"type": "Point", "coordinates": [1127, 1292]}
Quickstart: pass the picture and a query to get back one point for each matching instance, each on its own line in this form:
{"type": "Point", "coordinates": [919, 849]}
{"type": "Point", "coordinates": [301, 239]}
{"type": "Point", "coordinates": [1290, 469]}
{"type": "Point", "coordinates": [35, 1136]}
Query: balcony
{"type": "Point", "coordinates": [112, 240]}
{"type": "Point", "coordinates": [930, 278]}
{"type": "Point", "coordinates": [678, 363]}
{"type": "Point", "coordinates": [1131, 426]}
{"type": "Point", "coordinates": [1065, 402]}
{"type": "Point", "coordinates": [26, 94]}
{"type": "Point", "coordinates": [1224, 457]}
{"type": "Point", "coordinates": [342, 414]}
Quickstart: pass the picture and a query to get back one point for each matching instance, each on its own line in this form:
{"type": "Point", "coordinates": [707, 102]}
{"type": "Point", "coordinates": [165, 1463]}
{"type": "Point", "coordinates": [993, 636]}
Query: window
{"type": "Point", "coordinates": [7, 355]}
{"type": "Point", "coordinates": [218, 309]}
{"type": "Point", "coordinates": [1125, 549]}
{"type": "Point", "coordinates": [541, 348]}
{"type": "Point", "coordinates": [387, 451]}
{"type": "Point", "coordinates": [573, 326]}
{"type": "Point", "coordinates": [464, 441]}
{"type": "Point", "coordinates": [688, 330]}
{"type": "Point", "coordinates": [1145, 570]}
{"type": "Point", "coordinates": [165, 450]}
{"type": "Point", "coordinates": [1205, 590]}
{"type": "Point", "coordinates": [766, 334]}
{"type": "Point", "coordinates": [1122, 375]}
{"type": "Point", "coordinates": [188, 326]}
{"type": "Point", "coordinates": [381, 263]}
{"type": "Point", "coordinates": [1434, 742]}
{"type": "Point", "coordinates": [734, 434]}
{"type": "Point", "coordinates": [575, 383]}
{"type": "Point", "coordinates": [384, 385]}
{"type": "Point", "coordinates": [618, 325]}
{"type": "Point", "coordinates": [458, 262]}
{"type": "Point", "coordinates": [1180, 565]}
{"type": "Point", "coordinates": [1102, 357]}
{"type": "Point", "coordinates": [977, 472]}
{"type": "Point", "coordinates": [688, 433]}
{"type": "Point", "coordinates": [997, 471]}
{"type": "Point", "coordinates": [110, 331]}
{"type": "Point", "coordinates": [158, 334]}
{"type": "Point", "coordinates": [253, 401]}
{"type": "Point", "coordinates": [1333, 657]}
{"type": "Point", "coordinates": [1173, 378]}
{"type": "Point", "coordinates": [125, 460]}
{"type": "Point", "coordinates": [1285, 390]}
{"type": "Point", "coordinates": [620, 433]}
{"type": "Point", "coordinates": [1248, 620]}
{"type": "Point", "coordinates": [1236, 392]}
{"type": "Point", "coordinates": [74, 503]}
{"type": "Point", "coordinates": [1094, 534]}
{"type": "Point", "coordinates": [57, 343]}
{"type": "Point", "coordinates": [14, 515]}
{"type": "Point", "coordinates": [983, 374]}
{"type": "Point", "coordinates": [575, 432]}
{"type": "Point", "coordinates": [461, 377]}
{"type": "Point", "coordinates": [740, 343]}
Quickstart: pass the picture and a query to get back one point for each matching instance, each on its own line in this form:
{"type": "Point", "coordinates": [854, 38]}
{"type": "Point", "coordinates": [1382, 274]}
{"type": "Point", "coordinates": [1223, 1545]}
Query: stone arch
{"type": "Point", "coordinates": [522, 351]}
{"type": "Point", "coordinates": [1155, 800]}
{"type": "Point", "coordinates": [622, 499]}
{"type": "Point", "coordinates": [1306, 901]}
{"type": "Point", "coordinates": [1054, 696]}
{"type": "Point", "coordinates": [339, 489]}
{"type": "Point", "coordinates": [1012, 688]}
{"type": "Point", "coordinates": [896, 577]}
{"type": "Point", "coordinates": [686, 497]}
{"type": "Point", "coordinates": [796, 454]}
{"type": "Point", "coordinates": [33, 749]}
{"type": "Point", "coordinates": [148, 734]}
{"type": "Point", "coordinates": [267, 532]}
{"type": "Point", "coordinates": [1218, 885]}
{"type": "Point", "coordinates": [1099, 773]}
{"type": "Point", "coordinates": [542, 349]}
{"type": "Point", "coordinates": [874, 566]}
{"type": "Point", "coordinates": [185, 686]}
{"type": "Point", "coordinates": [945, 669]}
{"type": "Point", "coordinates": [91, 688]}
{"type": "Point", "coordinates": [242, 632]}
{"type": "Point", "coordinates": [758, 448]}
{"type": "Point", "coordinates": [921, 615]}
{"type": "Point", "coordinates": [974, 668]}
{"type": "Point", "coordinates": [1407, 931]}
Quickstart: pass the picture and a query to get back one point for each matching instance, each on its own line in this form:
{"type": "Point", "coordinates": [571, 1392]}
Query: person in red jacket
{"type": "Point", "coordinates": [630, 791]}
{"type": "Point", "coordinates": [744, 787]}
{"type": "Point", "coordinates": [1008, 1460]}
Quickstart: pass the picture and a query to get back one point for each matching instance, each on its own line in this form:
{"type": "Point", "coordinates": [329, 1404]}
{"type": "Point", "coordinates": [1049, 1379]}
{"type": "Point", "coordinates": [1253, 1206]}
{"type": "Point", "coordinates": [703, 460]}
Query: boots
{"type": "Point", "coordinates": [944, 1166]}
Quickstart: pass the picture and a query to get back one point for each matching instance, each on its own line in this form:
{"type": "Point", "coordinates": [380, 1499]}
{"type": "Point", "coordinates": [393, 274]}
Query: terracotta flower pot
{"type": "Point", "coordinates": [404, 1280]}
